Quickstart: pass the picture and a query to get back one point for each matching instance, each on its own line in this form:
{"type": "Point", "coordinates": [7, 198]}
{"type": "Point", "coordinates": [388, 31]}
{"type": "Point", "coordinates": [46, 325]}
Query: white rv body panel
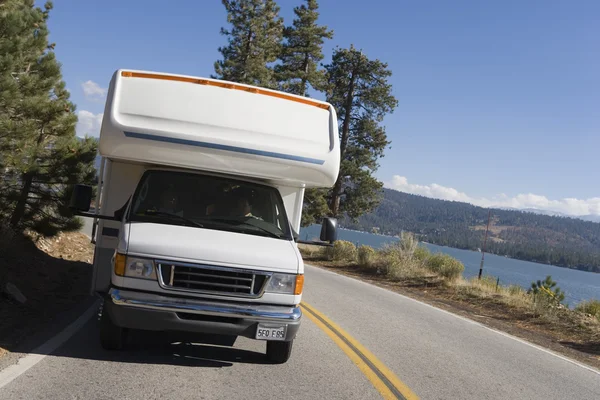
{"type": "Point", "coordinates": [120, 180]}
{"type": "Point", "coordinates": [190, 244]}
{"type": "Point", "coordinates": [203, 127]}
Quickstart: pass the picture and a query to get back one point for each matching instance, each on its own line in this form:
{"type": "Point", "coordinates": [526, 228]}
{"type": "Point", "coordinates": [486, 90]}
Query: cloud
{"type": "Point", "coordinates": [569, 206]}
{"type": "Point", "coordinates": [88, 124]}
{"type": "Point", "coordinates": [93, 91]}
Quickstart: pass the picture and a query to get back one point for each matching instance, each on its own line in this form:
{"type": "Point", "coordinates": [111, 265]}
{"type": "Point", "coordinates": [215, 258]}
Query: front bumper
{"type": "Point", "coordinates": [150, 311]}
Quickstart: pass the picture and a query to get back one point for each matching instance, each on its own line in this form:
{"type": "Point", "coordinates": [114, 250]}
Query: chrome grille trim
{"type": "Point", "coordinates": [211, 279]}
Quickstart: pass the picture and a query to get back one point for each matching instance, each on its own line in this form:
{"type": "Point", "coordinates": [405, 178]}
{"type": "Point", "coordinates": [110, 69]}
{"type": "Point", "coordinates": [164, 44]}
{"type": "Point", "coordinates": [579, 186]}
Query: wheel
{"type": "Point", "coordinates": [112, 337]}
{"type": "Point", "coordinates": [279, 352]}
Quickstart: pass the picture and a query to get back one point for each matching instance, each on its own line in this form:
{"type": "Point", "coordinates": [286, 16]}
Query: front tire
{"type": "Point", "coordinates": [112, 337]}
{"type": "Point", "coordinates": [279, 352]}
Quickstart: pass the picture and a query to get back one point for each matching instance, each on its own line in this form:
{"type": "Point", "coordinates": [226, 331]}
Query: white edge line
{"type": "Point", "coordinates": [10, 373]}
{"type": "Point", "coordinates": [535, 346]}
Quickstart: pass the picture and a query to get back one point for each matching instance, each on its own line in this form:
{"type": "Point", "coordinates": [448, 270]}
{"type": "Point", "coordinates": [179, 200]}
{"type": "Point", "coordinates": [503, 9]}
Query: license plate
{"type": "Point", "coordinates": [270, 333]}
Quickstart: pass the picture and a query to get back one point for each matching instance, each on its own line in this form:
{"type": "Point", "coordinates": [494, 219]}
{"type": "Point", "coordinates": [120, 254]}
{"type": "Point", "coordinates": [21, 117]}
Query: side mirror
{"type": "Point", "coordinates": [329, 230]}
{"type": "Point", "coordinates": [81, 198]}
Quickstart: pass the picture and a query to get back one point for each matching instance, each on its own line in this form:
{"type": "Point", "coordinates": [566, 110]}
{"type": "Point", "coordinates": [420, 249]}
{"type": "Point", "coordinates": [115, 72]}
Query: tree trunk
{"type": "Point", "coordinates": [19, 210]}
{"type": "Point", "coordinates": [337, 188]}
{"type": "Point", "coordinates": [27, 178]}
{"type": "Point", "coordinates": [247, 56]}
{"type": "Point", "coordinates": [304, 81]}
{"type": "Point", "coordinates": [248, 48]}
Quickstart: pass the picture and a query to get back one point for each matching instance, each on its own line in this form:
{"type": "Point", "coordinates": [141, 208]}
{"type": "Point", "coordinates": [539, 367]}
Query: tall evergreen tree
{"type": "Point", "coordinates": [302, 51]}
{"type": "Point", "coordinates": [254, 42]}
{"type": "Point", "coordinates": [298, 70]}
{"type": "Point", "coordinates": [40, 152]}
{"type": "Point", "coordinates": [314, 206]}
{"type": "Point", "coordinates": [359, 90]}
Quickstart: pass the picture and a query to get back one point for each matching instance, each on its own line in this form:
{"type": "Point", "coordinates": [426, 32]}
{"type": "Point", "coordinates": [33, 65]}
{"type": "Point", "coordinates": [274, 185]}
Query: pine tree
{"type": "Point", "coordinates": [545, 288]}
{"type": "Point", "coordinates": [40, 152]}
{"type": "Point", "coordinates": [254, 42]}
{"type": "Point", "coordinates": [359, 91]}
{"type": "Point", "coordinates": [302, 51]}
{"type": "Point", "coordinates": [314, 206]}
{"type": "Point", "coordinates": [298, 70]}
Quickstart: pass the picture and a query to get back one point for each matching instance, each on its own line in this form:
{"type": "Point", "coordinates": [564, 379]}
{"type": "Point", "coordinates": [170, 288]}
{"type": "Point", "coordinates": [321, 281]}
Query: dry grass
{"type": "Point", "coordinates": [591, 307]}
{"type": "Point", "coordinates": [487, 288]}
{"type": "Point", "coordinates": [310, 251]}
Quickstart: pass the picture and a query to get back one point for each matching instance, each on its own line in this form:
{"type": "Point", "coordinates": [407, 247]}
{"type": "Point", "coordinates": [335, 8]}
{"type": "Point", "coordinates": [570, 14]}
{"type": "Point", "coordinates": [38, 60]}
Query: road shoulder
{"type": "Point", "coordinates": [54, 276]}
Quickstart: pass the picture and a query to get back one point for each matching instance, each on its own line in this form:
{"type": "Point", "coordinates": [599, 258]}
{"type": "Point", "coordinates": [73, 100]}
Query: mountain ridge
{"type": "Point", "coordinates": [559, 240]}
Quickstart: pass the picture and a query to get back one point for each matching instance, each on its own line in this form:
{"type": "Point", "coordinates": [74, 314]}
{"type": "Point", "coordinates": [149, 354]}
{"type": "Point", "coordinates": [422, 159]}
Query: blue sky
{"type": "Point", "coordinates": [498, 101]}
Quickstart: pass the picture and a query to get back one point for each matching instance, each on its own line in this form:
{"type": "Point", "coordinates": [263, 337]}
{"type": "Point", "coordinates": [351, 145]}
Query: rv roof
{"type": "Point", "coordinates": [226, 85]}
{"type": "Point", "coordinates": [213, 125]}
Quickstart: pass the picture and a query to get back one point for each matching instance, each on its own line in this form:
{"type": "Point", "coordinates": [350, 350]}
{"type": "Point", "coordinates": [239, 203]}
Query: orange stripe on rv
{"type": "Point", "coordinates": [225, 85]}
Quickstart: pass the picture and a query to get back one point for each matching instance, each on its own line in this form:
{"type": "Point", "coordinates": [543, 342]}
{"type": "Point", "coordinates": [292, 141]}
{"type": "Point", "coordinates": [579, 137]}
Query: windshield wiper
{"type": "Point", "coordinates": [238, 221]}
{"type": "Point", "coordinates": [175, 216]}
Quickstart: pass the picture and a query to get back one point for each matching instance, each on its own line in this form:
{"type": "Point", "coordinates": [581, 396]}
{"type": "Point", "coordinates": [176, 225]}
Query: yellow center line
{"type": "Point", "coordinates": [384, 380]}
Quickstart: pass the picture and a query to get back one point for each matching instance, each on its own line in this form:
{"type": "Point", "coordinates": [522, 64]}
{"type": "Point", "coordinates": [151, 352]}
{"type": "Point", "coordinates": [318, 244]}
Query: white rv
{"type": "Point", "coordinates": [199, 204]}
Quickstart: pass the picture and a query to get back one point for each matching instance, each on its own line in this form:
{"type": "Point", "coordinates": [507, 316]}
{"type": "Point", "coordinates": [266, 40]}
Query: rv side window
{"type": "Point", "coordinates": [203, 201]}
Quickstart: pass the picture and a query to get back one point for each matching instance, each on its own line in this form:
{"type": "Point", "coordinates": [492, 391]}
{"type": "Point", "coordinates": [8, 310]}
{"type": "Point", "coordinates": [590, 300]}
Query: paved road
{"type": "Point", "coordinates": [435, 354]}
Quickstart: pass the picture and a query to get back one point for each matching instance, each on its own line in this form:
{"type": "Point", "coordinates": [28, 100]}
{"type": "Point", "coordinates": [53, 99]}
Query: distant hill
{"type": "Point", "coordinates": [593, 218]}
{"type": "Point", "coordinates": [557, 240]}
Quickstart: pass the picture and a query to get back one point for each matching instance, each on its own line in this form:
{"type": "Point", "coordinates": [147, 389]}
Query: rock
{"type": "Point", "coordinates": [14, 293]}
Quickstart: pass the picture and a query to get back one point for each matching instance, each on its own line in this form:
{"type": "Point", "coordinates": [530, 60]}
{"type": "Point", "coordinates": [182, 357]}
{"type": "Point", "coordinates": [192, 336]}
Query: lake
{"type": "Point", "coordinates": [577, 285]}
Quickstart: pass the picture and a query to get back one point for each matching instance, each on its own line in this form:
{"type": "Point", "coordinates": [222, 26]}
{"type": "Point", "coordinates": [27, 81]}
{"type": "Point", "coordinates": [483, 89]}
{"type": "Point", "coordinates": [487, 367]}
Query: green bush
{"type": "Point", "coordinates": [421, 253]}
{"type": "Point", "coordinates": [547, 290]}
{"type": "Point", "coordinates": [343, 250]}
{"type": "Point", "coordinates": [396, 264]}
{"type": "Point", "coordinates": [365, 255]}
{"type": "Point", "coordinates": [445, 265]}
{"type": "Point", "coordinates": [591, 307]}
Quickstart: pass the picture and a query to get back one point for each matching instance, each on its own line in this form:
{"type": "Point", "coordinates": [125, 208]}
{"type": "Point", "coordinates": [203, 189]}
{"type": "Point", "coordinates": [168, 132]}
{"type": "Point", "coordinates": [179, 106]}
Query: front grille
{"type": "Point", "coordinates": [212, 279]}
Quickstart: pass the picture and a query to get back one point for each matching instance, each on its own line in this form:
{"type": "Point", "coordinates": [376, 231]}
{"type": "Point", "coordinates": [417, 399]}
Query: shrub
{"type": "Point", "coordinates": [408, 243]}
{"type": "Point", "coordinates": [398, 266]}
{"type": "Point", "coordinates": [396, 263]}
{"type": "Point", "coordinates": [421, 253]}
{"type": "Point", "coordinates": [543, 290]}
{"type": "Point", "coordinates": [343, 250]}
{"type": "Point", "coordinates": [445, 265]}
{"type": "Point", "coordinates": [591, 307]}
{"type": "Point", "coordinates": [365, 255]}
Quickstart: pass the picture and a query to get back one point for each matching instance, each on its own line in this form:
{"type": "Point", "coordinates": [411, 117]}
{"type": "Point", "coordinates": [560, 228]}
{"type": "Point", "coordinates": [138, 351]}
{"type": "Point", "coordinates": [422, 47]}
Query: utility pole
{"type": "Point", "coordinates": [484, 242]}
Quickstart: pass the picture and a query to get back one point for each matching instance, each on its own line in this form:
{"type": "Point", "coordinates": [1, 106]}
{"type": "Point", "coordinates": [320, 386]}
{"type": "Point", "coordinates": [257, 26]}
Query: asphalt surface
{"type": "Point", "coordinates": [436, 354]}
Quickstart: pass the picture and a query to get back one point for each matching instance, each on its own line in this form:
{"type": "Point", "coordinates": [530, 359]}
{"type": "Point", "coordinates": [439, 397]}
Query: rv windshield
{"type": "Point", "coordinates": [203, 201]}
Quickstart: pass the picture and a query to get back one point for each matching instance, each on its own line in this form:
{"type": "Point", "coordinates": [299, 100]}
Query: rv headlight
{"type": "Point", "coordinates": [285, 284]}
{"type": "Point", "coordinates": [140, 268]}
